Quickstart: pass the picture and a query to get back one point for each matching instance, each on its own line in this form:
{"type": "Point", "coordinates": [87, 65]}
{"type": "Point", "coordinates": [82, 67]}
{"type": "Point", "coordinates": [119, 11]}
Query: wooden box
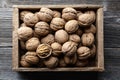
{"type": "Point", "coordinates": [99, 60]}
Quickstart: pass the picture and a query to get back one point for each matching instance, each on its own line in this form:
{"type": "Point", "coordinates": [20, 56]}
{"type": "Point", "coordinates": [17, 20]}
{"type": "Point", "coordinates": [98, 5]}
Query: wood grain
{"type": "Point", "coordinates": [15, 51]}
{"type": "Point", "coordinates": [111, 42]}
{"type": "Point", "coordinates": [114, 4]}
{"type": "Point", "coordinates": [100, 38]}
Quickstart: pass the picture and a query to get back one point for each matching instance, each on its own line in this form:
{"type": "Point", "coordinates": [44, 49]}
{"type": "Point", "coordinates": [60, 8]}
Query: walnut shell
{"type": "Point", "coordinates": [62, 63]}
{"type": "Point", "coordinates": [69, 48]}
{"type": "Point", "coordinates": [90, 12]}
{"type": "Point", "coordinates": [87, 39]}
{"type": "Point", "coordinates": [44, 50]}
{"type": "Point", "coordinates": [71, 26]}
{"type": "Point", "coordinates": [56, 14]}
{"type": "Point", "coordinates": [81, 63]}
{"type": "Point", "coordinates": [42, 28]}
{"type": "Point", "coordinates": [51, 62]}
{"type": "Point", "coordinates": [70, 60]}
{"type": "Point", "coordinates": [23, 62]}
{"type": "Point", "coordinates": [49, 39]}
{"type": "Point", "coordinates": [86, 19]}
{"type": "Point", "coordinates": [74, 37]}
{"type": "Point", "coordinates": [30, 19]}
{"type": "Point", "coordinates": [45, 14]}
{"type": "Point", "coordinates": [22, 45]}
{"type": "Point", "coordinates": [79, 32]}
{"type": "Point", "coordinates": [93, 50]}
{"type": "Point", "coordinates": [61, 36]}
{"type": "Point", "coordinates": [31, 57]}
{"type": "Point", "coordinates": [57, 23]}
{"type": "Point", "coordinates": [79, 13]}
{"type": "Point", "coordinates": [56, 49]}
{"type": "Point", "coordinates": [56, 46]}
{"type": "Point", "coordinates": [23, 25]}
{"type": "Point", "coordinates": [83, 52]}
{"type": "Point", "coordinates": [24, 33]}
{"type": "Point", "coordinates": [35, 35]}
{"type": "Point", "coordinates": [23, 13]}
{"type": "Point", "coordinates": [32, 44]}
{"type": "Point", "coordinates": [91, 29]}
{"type": "Point", "coordinates": [69, 13]}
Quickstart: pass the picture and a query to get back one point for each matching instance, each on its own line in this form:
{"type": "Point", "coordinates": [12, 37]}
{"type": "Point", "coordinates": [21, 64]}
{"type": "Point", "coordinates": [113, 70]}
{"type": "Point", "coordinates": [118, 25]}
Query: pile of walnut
{"type": "Point", "coordinates": [57, 39]}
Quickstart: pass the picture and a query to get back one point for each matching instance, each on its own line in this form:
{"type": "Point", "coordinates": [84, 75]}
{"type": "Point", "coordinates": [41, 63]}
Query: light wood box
{"type": "Point", "coordinates": [99, 61]}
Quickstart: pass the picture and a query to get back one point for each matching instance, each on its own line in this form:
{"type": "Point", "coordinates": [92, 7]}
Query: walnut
{"type": "Point", "coordinates": [79, 32]}
{"type": "Point", "coordinates": [30, 19]}
{"type": "Point", "coordinates": [81, 63]}
{"type": "Point", "coordinates": [45, 14]}
{"type": "Point", "coordinates": [79, 13]}
{"type": "Point", "coordinates": [91, 29]}
{"type": "Point", "coordinates": [57, 23]}
{"type": "Point", "coordinates": [70, 60]}
{"type": "Point", "coordinates": [93, 50]}
{"type": "Point", "coordinates": [87, 39]}
{"type": "Point", "coordinates": [35, 35]}
{"type": "Point", "coordinates": [23, 62]}
{"type": "Point", "coordinates": [31, 58]}
{"type": "Point", "coordinates": [44, 50]}
{"type": "Point", "coordinates": [69, 13]}
{"type": "Point", "coordinates": [24, 33]}
{"type": "Point", "coordinates": [71, 26]}
{"type": "Point", "coordinates": [56, 14]}
{"type": "Point", "coordinates": [42, 28]}
{"type": "Point", "coordinates": [51, 62]}
{"type": "Point", "coordinates": [23, 25]}
{"type": "Point", "coordinates": [83, 52]}
{"type": "Point", "coordinates": [32, 44]}
{"type": "Point", "coordinates": [56, 46]}
{"type": "Point", "coordinates": [49, 39]}
{"type": "Point", "coordinates": [90, 12]}
{"type": "Point", "coordinates": [74, 37]}
{"type": "Point", "coordinates": [61, 36]}
{"type": "Point", "coordinates": [69, 48]}
{"type": "Point", "coordinates": [23, 13]}
{"type": "Point", "coordinates": [56, 49]}
{"type": "Point", "coordinates": [86, 19]}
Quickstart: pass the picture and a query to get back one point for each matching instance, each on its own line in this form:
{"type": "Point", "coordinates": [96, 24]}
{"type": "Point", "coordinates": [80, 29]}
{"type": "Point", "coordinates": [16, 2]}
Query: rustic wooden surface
{"type": "Point", "coordinates": [111, 43]}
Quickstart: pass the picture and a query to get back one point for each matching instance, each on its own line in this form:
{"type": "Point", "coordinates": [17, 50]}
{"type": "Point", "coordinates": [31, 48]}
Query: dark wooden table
{"type": "Point", "coordinates": [111, 41]}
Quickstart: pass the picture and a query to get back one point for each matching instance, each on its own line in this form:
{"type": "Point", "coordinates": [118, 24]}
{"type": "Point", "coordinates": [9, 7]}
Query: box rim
{"type": "Point", "coordinates": [60, 6]}
{"type": "Point", "coordinates": [98, 68]}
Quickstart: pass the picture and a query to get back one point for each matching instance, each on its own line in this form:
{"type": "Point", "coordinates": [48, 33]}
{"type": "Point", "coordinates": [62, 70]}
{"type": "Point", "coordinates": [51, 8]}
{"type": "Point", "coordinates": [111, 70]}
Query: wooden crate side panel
{"type": "Point", "coordinates": [87, 6]}
{"type": "Point", "coordinates": [100, 39]}
{"type": "Point", "coordinates": [15, 51]}
{"type": "Point", "coordinates": [59, 69]}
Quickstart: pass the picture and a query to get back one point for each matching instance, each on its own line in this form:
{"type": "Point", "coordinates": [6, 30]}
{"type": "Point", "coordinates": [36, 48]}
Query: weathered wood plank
{"type": "Point", "coordinates": [109, 5]}
{"type": "Point", "coordinates": [5, 42]}
{"type": "Point", "coordinates": [112, 17]}
{"type": "Point", "coordinates": [112, 36]}
{"type": "Point", "coordinates": [112, 30]}
{"type": "Point", "coordinates": [112, 65]}
{"type": "Point", "coordinates": [100, 38]}
{"type": "Point", "coordinates": [15, 51]}
{"type": "Point", "coordinates": [112, 69]}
